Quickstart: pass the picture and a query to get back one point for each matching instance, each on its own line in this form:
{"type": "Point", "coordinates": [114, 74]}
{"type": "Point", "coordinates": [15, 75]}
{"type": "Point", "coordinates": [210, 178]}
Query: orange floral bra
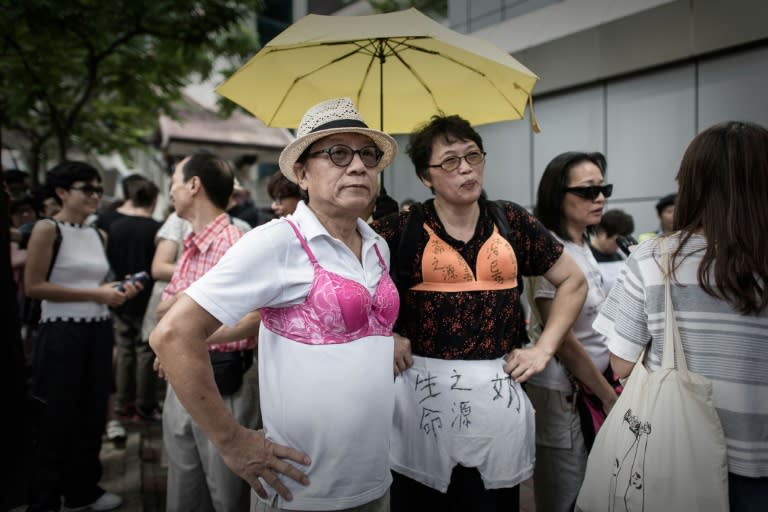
{"type": "Point", "coordinates": [443, 269]}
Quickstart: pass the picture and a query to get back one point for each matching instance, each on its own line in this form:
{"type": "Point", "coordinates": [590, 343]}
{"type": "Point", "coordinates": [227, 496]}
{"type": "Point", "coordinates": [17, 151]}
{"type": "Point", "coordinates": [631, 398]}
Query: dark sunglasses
{"type": "Point", "coordinates": [342, 155]}
{"type": "Point", "coordinates": [89, 190]}
{"type": "Point", "coordinates": [591, 192]}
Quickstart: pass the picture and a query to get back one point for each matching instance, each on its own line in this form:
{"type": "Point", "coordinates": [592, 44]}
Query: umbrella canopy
{"type": "Point", "coordinates": [399, 68]}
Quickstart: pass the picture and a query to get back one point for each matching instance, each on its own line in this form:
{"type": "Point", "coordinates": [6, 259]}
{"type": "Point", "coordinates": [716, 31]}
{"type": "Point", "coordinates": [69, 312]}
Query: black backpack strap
{"type": "Point", "coordinates": [56, 246]}
{"type": "Point", "coordinates": [407, 247]}
{"type": "Point", "coordinates": [499, 215]}
{"type": "Point", "coordinates": [32, 306]}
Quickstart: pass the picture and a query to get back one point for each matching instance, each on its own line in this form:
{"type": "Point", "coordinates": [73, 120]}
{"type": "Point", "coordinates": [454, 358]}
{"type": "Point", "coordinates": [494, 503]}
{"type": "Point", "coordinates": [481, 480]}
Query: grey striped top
{"type": "Point", "coordinates": [719, 343]}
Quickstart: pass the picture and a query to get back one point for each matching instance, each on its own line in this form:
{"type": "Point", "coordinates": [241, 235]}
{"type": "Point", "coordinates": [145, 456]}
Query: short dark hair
{"type": "Point", "coordinates": [21, 204]}
{"type": "Point", "coordinates": [616, 222]}
{"type": "Point", "coordinates": [136, 184]}
{"type": "Point", "coordinates": [39, 195]}
{"type": "Point", "coordinates": [15, 176]}
{"type": "Point", "coordinates": [279, 186]}
{"type": "Point", "coordinates": [451, 128]}
{"type": "Point", "coordinates": [144, 193]}
{"type": "Point", "coordinates": [668, 200]}
{"type": "Point", "coordinates": [215, 175]}
{"type": "Point", "coordinates": [68, 172]}
{"type": "Point", "coordinates": [551, 192]}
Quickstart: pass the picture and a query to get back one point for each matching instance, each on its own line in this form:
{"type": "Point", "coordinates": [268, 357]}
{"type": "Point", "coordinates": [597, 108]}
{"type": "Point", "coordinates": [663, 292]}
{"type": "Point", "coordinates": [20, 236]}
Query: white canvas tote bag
{"type": "Point", "coordinates": [662, 446]}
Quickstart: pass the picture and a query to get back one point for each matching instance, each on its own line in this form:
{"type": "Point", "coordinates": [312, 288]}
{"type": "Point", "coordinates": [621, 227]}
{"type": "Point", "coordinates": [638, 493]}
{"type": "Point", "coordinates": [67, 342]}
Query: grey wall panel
{"type": "Point", "coordinates": [734, 87]}
{"type": "Point", "coordinates": [651, 120]}
{"type": "Point", "coordinates": [508, 164]}
{"type": "Point", "coordinates": [669, 33]}
{"type": "Point", "coordinates": [570, 122]}
{"type": "Point", "coordinates": [400, 178]}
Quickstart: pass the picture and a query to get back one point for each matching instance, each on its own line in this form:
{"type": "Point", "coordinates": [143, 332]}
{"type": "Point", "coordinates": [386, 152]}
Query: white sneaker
{"type": "Point", "coordinates": [106, 501]}
{"type": "Point", "coordinates": [116, 433]}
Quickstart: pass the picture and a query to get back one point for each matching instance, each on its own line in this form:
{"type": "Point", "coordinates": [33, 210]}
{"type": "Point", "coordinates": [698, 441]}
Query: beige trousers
{"type": "Point", "coordinates": [198, 478]}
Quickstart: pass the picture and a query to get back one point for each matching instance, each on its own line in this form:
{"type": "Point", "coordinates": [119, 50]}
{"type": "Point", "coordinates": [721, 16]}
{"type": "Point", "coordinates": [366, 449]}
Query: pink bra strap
{"type": "Point", "coordinates": [381, 260]}
{"type": "Point", "coordinates": [303, 243]}
{"type": "Point", "coordinates": [312, 255]}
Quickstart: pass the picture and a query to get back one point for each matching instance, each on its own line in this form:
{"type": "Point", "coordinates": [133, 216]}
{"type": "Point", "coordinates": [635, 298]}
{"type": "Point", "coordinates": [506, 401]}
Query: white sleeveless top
{"type": "Point", "coordinates": [80, 263]}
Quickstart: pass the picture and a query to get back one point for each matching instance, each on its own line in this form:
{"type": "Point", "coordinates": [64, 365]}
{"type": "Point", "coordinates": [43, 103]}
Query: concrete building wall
{"type": "Point", "coordinates": [636, 80]}
{"type": "Point", "coordinates": [642, 123]}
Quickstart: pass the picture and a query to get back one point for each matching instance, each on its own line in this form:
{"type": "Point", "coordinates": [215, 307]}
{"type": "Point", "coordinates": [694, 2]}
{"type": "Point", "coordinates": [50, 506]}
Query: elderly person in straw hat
{"type": "Point", "coordinates": [320, 279]}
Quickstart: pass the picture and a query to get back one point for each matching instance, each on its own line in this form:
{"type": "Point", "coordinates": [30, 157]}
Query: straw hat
{"type": "Point", "coordinates": [338, 115]}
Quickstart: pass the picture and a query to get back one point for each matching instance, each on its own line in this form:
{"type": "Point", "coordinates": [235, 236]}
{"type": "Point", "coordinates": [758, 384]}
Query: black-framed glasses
{"type": "Point", "coordinates": [452, 163]}
{"type": "Point", "coordinates": [592, 191]}
{"type": "Point", "coordinates": [89, 190]}
{"type": "Point", "coordinates": [342, 155]}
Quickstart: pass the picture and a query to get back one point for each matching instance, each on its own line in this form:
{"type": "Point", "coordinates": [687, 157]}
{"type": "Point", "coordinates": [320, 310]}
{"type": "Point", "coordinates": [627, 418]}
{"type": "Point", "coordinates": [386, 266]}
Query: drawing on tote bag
{"type": "Point", "coordinates": [633, 462]}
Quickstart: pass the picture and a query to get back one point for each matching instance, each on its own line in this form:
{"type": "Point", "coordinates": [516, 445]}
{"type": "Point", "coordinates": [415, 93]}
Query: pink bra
{"type": "Point", "coordinates": [337, 309]}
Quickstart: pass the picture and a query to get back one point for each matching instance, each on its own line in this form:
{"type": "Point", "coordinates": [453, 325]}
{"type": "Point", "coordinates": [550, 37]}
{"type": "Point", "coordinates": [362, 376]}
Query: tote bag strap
{"type": "Point", "coordinates": [673, 347]}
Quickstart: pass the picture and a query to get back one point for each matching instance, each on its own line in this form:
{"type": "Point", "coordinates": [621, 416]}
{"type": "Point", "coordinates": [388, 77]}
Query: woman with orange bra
{"type": "Point", "coordinates": [463, 428]}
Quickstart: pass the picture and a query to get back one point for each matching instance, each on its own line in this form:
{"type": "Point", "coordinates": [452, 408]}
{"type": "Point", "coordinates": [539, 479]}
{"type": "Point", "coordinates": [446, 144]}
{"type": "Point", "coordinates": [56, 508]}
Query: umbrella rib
{"type": "Point", "coordinates": [459, 63]}
{"type": "Point", "coordinates": [414, 73]}
{"type": "Point", "coordinates": [365, 78]}
{"type": "Point", "coordinates": [302, 77]}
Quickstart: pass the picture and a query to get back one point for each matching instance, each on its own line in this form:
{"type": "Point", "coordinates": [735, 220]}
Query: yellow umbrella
{"type": "Point", "coordinates": [399, 68]}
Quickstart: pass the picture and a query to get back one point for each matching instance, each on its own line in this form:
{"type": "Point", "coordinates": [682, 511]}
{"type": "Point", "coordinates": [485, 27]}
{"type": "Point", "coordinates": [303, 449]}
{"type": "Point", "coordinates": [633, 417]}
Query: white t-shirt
{"type": "Point", "coordinates": [333, 402]}
{"type": "Point", "coordinates": [555, 375]}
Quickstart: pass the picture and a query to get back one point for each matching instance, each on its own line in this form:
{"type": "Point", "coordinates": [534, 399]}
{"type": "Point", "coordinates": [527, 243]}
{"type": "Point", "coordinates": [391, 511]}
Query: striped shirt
{"type": "Point", "coordinates": [719, 343]}
{"type": "Point", "coordinates": [201, 252]}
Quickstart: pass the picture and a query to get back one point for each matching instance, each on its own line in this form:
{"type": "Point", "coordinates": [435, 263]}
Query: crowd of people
{"type": "Point", "coordinates": [348, 356]}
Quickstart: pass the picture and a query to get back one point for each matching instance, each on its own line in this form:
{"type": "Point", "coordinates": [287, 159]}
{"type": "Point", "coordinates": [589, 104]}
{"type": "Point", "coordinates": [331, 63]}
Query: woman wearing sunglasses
{"type": "Point", "coordinates": [66, 268]}
{"type": "Point", "coordinates": [571, 198]}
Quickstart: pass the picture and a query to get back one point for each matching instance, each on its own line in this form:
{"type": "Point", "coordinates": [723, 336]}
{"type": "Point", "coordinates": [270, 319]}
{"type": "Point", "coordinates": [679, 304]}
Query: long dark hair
{"type": "Point", "coordinates": [554, 181]}
{"type": "Point", "coordinates": [723, 191]}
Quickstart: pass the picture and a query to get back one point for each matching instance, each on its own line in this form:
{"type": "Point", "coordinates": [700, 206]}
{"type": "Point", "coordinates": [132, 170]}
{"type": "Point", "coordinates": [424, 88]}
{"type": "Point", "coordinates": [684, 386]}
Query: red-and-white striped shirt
{"type": "Point", "coordinates": [201, 252]}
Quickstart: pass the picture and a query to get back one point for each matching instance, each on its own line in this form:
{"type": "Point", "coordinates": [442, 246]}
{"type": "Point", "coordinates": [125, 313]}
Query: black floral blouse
{"type": "Point", "coordinates": [474, 324]}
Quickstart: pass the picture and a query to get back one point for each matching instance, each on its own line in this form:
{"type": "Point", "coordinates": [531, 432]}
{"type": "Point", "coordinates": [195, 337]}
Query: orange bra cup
{"type": "Point", "coordinates": [443, 269]}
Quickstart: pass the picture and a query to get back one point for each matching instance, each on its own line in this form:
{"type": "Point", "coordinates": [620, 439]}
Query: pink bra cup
{"type": "Point", "coordinates": [337, 309]}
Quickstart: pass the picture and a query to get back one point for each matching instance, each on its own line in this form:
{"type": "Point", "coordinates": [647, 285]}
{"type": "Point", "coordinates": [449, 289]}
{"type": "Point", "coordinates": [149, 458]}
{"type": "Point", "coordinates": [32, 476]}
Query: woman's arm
{"type": "Point", "coordinates": [622, 367]}
{"type": "Point", "coordinates": [571, 292]}
{"type": "Point", "coordinates": [37, 285]}
{"type": "Point", "coordinates": [164, 260]}
{"type": "Point", "coordinates": [575, 357]}
{"type": "Point", "coordinates": [247, 326]}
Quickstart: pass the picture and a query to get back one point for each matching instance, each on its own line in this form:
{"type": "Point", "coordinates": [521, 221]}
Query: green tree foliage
{"type": "Point", "coordinates": [94, 75]}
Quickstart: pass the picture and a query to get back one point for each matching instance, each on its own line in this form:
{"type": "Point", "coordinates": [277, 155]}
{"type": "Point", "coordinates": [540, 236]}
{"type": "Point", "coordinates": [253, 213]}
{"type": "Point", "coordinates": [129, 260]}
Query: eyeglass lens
{"type": "Point", "coordinates": [89, 190]}
{"type": "Point", "coordinates": [453, 162]}
{"type": "Point", "coordinates": [342, 155]}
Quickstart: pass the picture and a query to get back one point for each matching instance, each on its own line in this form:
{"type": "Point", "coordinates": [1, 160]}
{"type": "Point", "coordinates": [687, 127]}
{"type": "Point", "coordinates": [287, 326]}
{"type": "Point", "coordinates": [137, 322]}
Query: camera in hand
{"type": "Point", "coordinates": [625, 242]}
{"type": "Point", "coordinates": [139, 277]}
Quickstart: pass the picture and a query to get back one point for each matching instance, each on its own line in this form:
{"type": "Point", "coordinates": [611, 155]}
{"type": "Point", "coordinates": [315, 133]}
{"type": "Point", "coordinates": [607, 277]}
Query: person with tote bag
{"type": "Point", "coordinates": [690, 430]}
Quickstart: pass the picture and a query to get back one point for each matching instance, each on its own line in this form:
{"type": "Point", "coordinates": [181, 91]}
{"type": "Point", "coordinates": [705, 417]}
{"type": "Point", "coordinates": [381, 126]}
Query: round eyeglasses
{"type": "Point", "coordinates": [591, 192]}
{"type": "Point", "coordinates": [452, 163]}
{"type": "Point", "coordinates": [342, 155]}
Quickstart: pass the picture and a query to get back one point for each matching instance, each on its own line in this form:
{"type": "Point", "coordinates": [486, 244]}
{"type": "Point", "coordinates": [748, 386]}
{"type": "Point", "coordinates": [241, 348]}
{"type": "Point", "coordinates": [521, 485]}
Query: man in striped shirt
{"type": "Point", "coordinates": [198, 479]}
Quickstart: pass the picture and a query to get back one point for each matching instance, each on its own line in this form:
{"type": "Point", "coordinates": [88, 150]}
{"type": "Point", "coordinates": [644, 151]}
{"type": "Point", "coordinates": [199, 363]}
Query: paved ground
{"type": "Point", "coordinates": [137, 472]}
